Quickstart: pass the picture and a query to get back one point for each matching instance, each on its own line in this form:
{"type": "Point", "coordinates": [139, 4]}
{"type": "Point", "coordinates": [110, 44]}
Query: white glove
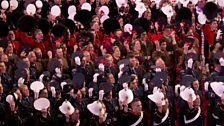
{"type": "Point", "coordinates": [101, 93]}
{"type": "Point", "coordinates": [158, 70]}
{"type": "Point", "coordinates": [53, 91]}
{"type": "Point", "coordinates": [125, 85]}
{"type": "Point", "coordinates": [95, 77]}
{"type": "Point", "coordinates": [221, 61]}
{"type": "Point", "coordinates": [58, 72]}
{"type": "Point", "coordinates": [190, 63]}
{"type": "Point", "coordinates": [121, 67]}
{"type": "Point", "coordinates": [41, 77]}
{"type": "Point", "coordinates": [90, 92]}
{"type": "Point", "coordinates": [119, 74]}
{"type": "Point", "coordinates": [219, 33]}
{"type": "Point", "coordinates": [176, 89]}
{"type": "Point", "coordinates": [155, 89]}
{"type": "Point", "coordinates": [21, 81]}
{"type": "Point", "coordinates": [206, 85]}
{"type": "Point", "coordinates": [63, 84]}
{"type": "Point", "coordinates": [182, 88]}
{"type": "Point", "coordinates": [146, 86]}
{"type": "Point", "coordinates": [77, 61]}
{"type": "Point", "coordinates": [101, 67]}
{"type": "Point", "coordinates": [144, 81]}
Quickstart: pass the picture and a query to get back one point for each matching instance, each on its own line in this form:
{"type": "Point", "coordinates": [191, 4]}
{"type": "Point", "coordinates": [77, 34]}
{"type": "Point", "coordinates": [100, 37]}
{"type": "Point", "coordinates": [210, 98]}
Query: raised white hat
{"type": "Point", "coordinates": [41, 103]}
{"type": "Point", "coordinates": [67, 108]}
{"type": "Point", "coordinates": [185, 94]}
{"type": "Point", "coordinates": [55, 10]}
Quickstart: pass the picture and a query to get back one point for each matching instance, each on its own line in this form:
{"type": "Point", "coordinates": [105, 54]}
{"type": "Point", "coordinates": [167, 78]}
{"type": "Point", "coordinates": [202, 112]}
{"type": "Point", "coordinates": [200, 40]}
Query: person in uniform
{"type": "Point", "coordinates": [13, 110]}
{"type": "Point", "coordinates": [214, 112]}
{"type": "Point", "coordinates": [6, 80]}
{"type": "Point", "coordinates": [34, 64]}
{"type": "Point", "coordinates": [135, 87]}
{"type": "Point", "coordinates": [134, 117]}
{"type": "Point", "coordinates": [162, 113]}
{"type": "Point", "coordinates": [98, 112]}
{"type": "Point", "coordinates": [218, 113]}
{"type": "Point", "coordinates": [77, 100]}
{"type": "Point", "coordinates": [26, 105]}
{"type": "Point", "coordinates": [111, 104]}
{"type": "Point", "coordinates": [44, 116]}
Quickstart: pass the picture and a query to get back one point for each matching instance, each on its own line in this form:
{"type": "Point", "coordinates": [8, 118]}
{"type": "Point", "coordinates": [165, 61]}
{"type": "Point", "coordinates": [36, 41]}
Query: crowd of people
{"type": "Point", "coordinates": [111, 63]}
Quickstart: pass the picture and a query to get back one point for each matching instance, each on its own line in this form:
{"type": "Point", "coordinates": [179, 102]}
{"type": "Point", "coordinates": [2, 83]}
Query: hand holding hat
{"type": "Point", "coordinates": [125, 94]}
{"type": "Point", "coordinates": [102, 115]}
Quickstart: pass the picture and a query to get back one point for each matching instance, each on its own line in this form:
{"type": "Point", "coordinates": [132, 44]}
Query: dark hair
{"type": "Point", "coordinates": [135, 100]}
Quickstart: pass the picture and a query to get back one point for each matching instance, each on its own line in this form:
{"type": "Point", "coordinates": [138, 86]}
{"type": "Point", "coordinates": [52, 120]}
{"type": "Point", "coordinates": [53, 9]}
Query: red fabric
{"type": "Point", "coordinates": [44, 46]}
{"type": "Point", "coordinates": [16, 45]}
{"type": "Point", "coordinates": [100, 36]}
{"type": "Point", "coordinates": [209, 35]}
{"type": "Point", "coordinates": [22, 37]}
{"type": "Point", "coordinates": [155, 37]}
{"type": "Point", "coordinates": [72, 42]}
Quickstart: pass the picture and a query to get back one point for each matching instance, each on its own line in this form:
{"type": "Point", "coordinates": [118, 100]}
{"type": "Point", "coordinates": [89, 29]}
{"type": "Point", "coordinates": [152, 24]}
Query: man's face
{"type": "Point", "coordinates": [11, 36]}
{"type": "Point", "coordinates": [25, 91]}
{"type": "Point", "coordinates": [196, 84]}
{"type": "Point", "coordinates": [27, 61]}
{"type": "Point", "coordinates": [32, 57]}
{"type": "Point", "coordinates": [133, 62]}
{"type": "Point", "coordinates": [136, 107]}
{"type": "Point", "coordinates": [59, 53]}
{"type": "Point", "coordinates": [10, 48]}
{"type": "Point", "coordinates": [2, 67]}
{"type": "Point", "coordinates": [109, 60]}
{"type": "Point", "coordinates": [163, 46]}
{"type": "Point", "coordinates": [160, 64]}
{"type": "Point", "coordinates": [111, 78]}
{"type": "Point", "coordinates": [214, 26]}
{"type": "Point", "coordinates": [39, 53]}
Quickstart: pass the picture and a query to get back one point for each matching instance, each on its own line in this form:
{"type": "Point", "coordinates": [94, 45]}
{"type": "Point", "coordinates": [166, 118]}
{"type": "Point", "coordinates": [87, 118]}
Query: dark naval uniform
{"type": "Point", "coordinates": [193, 117]}
{"type": "Point", "coordinates": [112, 110]}
{"type": "Point", "coordinates": [132, 119]}
{"type": "Point", "coordinates": [218, 115]}
{"type": "Point", "coordinates": [164, 118]}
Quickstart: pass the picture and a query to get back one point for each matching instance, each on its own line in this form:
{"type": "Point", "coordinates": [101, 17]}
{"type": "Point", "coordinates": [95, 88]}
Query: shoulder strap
{"type": "Point", "coordinates": [139, 120]}
{"type": "Point", "coordinates": [193, 119]}
{"type": "Point", "coordinates": [163, 119]}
